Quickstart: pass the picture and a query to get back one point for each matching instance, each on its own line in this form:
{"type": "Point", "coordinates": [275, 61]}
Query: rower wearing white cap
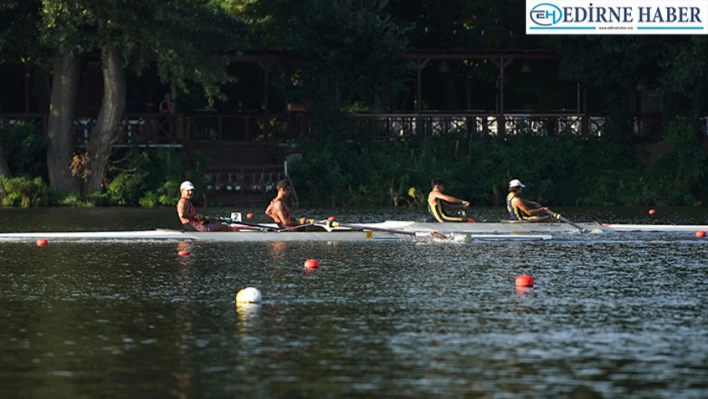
{"type": "Point", "coordinates": [191, 220]}
{"type": "Point", "coordinates": [521, 209]}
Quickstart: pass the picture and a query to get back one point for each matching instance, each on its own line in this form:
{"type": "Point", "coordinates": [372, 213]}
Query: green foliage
{"type": "Point", "coordinates": [24, 150]}
{"type": "Point", "coordinates": [146, 178]}
{"type": "Point", "coordinates": [150, 178]}
{"type": "Point", "coordinates": [567, 170]}
{"type": "Point", "coordinates": [24, 192]}
{"type": "Point", "coordinates": [685, 70]}
{"type": "Point", "coordinates": [677, 177]}
{"type": "Point", "coordinates": [126, 188]}
{"type": "Point", "coordinates": [165, 195]}
{"type": "Point", "coordinates": [77, 201]}
{"type": "Point", "coordinates": [183, 37]}
{"type": "Point", "coordinates": [463, 23]}
{"type": "Point", "coordinates": [18, 31]}
{"type": "Point", "coordinates": [671, 68]}
{"type": "Point", "coordinates": [350, 53]}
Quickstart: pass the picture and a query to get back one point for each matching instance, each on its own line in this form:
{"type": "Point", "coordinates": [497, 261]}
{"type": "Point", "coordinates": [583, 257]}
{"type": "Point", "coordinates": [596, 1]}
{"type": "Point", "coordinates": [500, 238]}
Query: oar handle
{"type": "Point", "coordinates": [558, 216]}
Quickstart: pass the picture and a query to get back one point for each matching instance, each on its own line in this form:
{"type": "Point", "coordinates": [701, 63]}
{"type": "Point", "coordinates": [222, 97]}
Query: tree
{"type": "Point", "coordinates": [663, 67]}
{"type": "Point", "coordinates": [350, 50]}
{"type": "Point", "coordinates": [183, 38]}
{"type": "Point", "coordinates": [61, 34]}
{"type": "Point", "coordinates": [685, 74]}
{"type": "Point", "coordinates": [463, 24]}
{"type": "Point", "coordinates": [18, 43]}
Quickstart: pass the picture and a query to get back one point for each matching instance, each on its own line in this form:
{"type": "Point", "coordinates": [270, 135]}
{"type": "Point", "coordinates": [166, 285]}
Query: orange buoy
{"type": "Point", "coordinates": [524, 281]}
{"type": "Point", "coordinates": [42, 242]}
{"type": "Point", "coordinates": [249, 215]}
{"type": "Point", "coordinates": [700, 233]}
{"type": "Point", "coordinates": [312, 264]}
{"type": "Point", "coordinates": [652, 211]}
{"type": "Point", "coordinates": [183, 252]}
{"type": "Point", "coordinates": [331, 218]}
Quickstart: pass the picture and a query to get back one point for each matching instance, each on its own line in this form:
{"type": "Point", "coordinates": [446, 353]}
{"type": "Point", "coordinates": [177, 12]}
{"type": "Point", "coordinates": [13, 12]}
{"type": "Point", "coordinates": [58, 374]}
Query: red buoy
{"type": "Point", "coordinates": [249, 215]}
{"type": "Point", "coordinates": [183, 252]}
{"type": "Point", "coordinates": [312, 264]}
{"type": "Point", "coordinates": [42, 242]}
{"type": "Point", "coordinates": [652, 211]}
{"type": "Point", "coordinates": [700, 233]}
{"type": "Point", "coordinates": [331, 218]}
{"type": "Point", "coordinates": [524, 281]}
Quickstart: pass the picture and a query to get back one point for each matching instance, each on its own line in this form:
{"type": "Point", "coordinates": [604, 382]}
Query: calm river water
{"type": "Point", "coordinates": [611, 316]}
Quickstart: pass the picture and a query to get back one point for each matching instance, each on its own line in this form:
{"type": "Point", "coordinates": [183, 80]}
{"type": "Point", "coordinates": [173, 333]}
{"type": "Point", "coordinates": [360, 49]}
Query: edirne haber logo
{"type": "Point", "coordinates": [622, 17]}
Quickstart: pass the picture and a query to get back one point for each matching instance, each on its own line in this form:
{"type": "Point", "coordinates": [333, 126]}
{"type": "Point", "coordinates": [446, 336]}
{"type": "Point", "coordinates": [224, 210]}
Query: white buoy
{"type": "Point", "coordinates": [248, 295]}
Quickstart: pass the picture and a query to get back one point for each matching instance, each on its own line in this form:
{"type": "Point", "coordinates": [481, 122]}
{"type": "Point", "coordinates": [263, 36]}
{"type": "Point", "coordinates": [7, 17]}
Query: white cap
{"type": "Point", "coordinates": [186, 185]}
{"type": "Point", "coordinates": [515, 183]}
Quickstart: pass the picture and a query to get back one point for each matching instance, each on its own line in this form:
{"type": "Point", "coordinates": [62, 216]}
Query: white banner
{"type": "Point", "coordinates": [617, 17]}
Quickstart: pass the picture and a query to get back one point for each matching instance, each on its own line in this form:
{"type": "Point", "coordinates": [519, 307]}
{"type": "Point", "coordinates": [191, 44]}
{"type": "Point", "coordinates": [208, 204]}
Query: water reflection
{"type": "Point", "coordinates": [184, 323]}
{"type": "Point", "coordinates": [247, 318]}
{"type": "Point", "coordinates": [276, 250]}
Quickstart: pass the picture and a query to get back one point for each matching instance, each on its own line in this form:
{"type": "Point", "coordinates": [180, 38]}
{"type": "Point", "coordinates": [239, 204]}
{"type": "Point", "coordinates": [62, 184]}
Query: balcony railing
{"type": "Point", "coordinates": [477, 125]}
{"type": "Point", "coordinates": [176, 129]}
{"type": "Point", "coordinates": [138, 129]}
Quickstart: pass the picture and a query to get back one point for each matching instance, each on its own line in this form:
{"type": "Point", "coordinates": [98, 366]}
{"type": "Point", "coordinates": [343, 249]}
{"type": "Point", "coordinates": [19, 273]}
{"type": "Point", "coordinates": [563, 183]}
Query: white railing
{"type": "Point", "coordinates": [404, 125]}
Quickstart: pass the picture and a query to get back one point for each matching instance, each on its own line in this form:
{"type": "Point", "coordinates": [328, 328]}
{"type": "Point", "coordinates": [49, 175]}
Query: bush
{"type": "Point", "coordinates": [24, 192]}
{"type": "Point", "coordinates": [566, 170]}
{"type": "Point", "coordinates": [77, 201]}
{"type": "Point", "coordinates": [126, 189]}
{"type": "Point", "coordinates": [166, 195]}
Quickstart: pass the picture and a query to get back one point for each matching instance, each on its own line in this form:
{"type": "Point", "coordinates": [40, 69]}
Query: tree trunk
{"type": "Point", "coordinates": [60, 140]}
{"type": "Point", "coordinates": [4, 169]}
{"type": "Point", "coordinates": [108, 123]}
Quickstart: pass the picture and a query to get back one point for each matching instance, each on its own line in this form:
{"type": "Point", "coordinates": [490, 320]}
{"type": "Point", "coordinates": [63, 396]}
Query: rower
{"type": "Point", "coordinates": [280, 213]}
{"type": "Point", "coordinates": [521, 209]}
{"type": "Point", "coordinates": [440, 205]}
{"type": "Point", "coordinates": [191, 220]}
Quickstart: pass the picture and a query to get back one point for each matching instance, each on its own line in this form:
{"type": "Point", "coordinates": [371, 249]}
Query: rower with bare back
{"type": "Point", "coordinates": [280, 213]}
{"type": "Point", "coordinates": [441, 205]}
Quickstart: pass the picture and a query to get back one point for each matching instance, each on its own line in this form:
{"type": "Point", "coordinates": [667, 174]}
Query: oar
{"type": "Point", "coordinates": [558, 216]}
{"type": "Point", "coordinates": [260, 226]}
{"type": "Point", "coordinates": [329, 225]}
{"type": "Point", "coordinates": [309, 222]}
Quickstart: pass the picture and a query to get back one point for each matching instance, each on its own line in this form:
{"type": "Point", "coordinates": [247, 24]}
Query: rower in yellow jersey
{"type": "Point", "coordinates": [521, 209]}
{"type": "Point", "coordinates": [439, 204]}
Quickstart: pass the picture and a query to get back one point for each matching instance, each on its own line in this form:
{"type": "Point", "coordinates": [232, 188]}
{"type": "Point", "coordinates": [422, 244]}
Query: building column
{"type": "Point", "coordinates": [501, 63]}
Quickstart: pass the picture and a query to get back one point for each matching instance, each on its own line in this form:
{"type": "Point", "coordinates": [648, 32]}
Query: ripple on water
{"type": "Point", "coordinates": [614, 316]}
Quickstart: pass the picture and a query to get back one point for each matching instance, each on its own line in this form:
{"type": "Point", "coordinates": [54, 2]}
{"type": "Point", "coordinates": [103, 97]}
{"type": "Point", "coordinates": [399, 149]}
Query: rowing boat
{"type": "Point", "coordinates": [510, 227]}
{"type": "Point", "coordinates": [390, 230]}
{"type": "Point", "coordinates": [258, 235]}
